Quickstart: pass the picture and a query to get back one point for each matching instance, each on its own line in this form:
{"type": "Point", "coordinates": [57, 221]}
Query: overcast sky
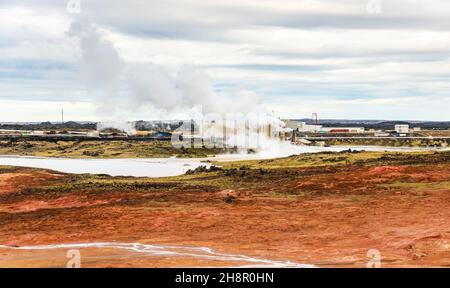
{"type": "Point", "coordinates": [340, 59]}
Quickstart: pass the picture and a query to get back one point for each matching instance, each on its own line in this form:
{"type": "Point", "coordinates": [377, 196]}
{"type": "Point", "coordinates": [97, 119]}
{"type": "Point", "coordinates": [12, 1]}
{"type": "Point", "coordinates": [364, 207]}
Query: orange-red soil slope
{"type": "Point", "coordinates": [329, 216]}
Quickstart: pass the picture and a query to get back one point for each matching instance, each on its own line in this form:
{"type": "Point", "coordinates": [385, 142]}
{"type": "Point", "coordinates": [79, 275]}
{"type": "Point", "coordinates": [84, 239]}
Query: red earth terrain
{"type": "Point", "coordinates": [329, 219]}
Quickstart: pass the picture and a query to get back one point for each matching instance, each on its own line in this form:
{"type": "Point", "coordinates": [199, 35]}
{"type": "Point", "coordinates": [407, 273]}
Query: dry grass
{"type": "Point", "coordinates": [102, 149]}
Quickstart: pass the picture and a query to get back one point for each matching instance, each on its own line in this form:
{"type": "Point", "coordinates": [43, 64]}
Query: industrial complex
{"type": "Point", "coordinates": [286, 129]}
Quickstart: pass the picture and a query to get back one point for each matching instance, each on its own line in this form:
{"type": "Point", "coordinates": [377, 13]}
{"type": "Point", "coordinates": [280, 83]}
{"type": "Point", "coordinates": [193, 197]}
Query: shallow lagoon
{"type": "Point", "coordinates": [164, 167]}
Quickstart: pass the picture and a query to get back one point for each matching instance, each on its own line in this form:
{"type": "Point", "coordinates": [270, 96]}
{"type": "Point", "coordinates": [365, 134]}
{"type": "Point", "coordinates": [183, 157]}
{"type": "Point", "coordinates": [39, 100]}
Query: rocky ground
{"type": "Point", "coordinates": [326, 209]}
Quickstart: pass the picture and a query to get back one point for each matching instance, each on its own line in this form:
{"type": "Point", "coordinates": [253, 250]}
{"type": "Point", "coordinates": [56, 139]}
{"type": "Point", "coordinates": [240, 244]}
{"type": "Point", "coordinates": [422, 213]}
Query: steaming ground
{"type": "Point", "coordinates": [271, 148]}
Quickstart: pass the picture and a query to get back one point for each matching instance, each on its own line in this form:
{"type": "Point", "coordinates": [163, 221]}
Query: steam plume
{"type": "Point", "coordinates": [123, 90]}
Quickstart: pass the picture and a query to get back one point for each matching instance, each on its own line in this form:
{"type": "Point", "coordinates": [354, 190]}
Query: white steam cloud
{"type": "Point", "coordinates": [122, 90]}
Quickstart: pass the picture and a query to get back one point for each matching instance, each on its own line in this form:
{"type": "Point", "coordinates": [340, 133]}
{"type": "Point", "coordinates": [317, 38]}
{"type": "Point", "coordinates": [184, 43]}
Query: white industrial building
{"type": "Point", "coordinates": [402, 128]}
{"type": "Point", "coordinates": [302, 126]}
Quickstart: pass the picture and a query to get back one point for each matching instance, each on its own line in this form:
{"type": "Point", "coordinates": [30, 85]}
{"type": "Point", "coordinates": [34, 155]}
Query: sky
{"type": "Point", "coordinates": [349, 59]}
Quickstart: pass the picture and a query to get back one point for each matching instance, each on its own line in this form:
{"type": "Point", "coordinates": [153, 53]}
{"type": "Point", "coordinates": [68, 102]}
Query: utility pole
{"type": "Point", "coordinates": [62, 116]}
{"type": "Point", "coordinates": [192, 133]}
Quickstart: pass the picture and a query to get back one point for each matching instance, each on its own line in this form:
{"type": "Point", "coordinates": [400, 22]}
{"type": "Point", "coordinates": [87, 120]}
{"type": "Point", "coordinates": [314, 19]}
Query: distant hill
{"type": "Point", "coordinates": [174, 124]}
{"type": "Point", "coordinates": [380, 124]}
{"type": "Point", "coordinates": [72, 125]}
{"type": "Point", "coordinates": [49, 126]}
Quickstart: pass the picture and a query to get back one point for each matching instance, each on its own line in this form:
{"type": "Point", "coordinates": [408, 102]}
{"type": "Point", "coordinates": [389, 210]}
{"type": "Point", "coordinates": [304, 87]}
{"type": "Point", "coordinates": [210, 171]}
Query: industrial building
{"type": "Point", "coordinates": [402, 128]}
{"type": "Point", "coordinates": [302, 126]}
{"type": "Point", "coordinates": [315, 128]}
{"type": "Point", "coordinates": [343, 130]}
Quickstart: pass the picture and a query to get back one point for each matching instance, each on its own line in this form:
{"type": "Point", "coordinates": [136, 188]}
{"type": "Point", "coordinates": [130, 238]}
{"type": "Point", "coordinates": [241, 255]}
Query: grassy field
{"type": "Point", "coordinates": [434, 133]}
{"type": "Point", "coordinates": [337, 159]}
{"type": "Point", "coordinates": [102, 149]}
{"type": "Point", "coordinates": [164, 149]}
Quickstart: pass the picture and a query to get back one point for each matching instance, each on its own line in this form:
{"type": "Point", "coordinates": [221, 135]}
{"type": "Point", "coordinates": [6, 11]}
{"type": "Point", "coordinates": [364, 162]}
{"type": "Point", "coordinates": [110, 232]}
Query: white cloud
{"type": "Point", "coordinates": [40, 111]}
{"type": "Point", "coordinates": [288, 51]}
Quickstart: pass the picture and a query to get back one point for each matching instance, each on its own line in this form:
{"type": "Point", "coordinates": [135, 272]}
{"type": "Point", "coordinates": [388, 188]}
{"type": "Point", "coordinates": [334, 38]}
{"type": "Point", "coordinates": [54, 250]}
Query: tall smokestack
{"type": "Point", "coordinates": [192, 133]}
{"type": "Point", "coordinates": [258, 131]}
{"type": "Point", "coordinates": [247, 134]}
{"type": "Point", "coordinates": [224, 140]}
{"type": "Point", "coordinates": [293, 136]}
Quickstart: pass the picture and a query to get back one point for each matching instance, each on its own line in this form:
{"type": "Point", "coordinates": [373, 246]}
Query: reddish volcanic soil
{"type": "Point", "coordinates": [328, 219]}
